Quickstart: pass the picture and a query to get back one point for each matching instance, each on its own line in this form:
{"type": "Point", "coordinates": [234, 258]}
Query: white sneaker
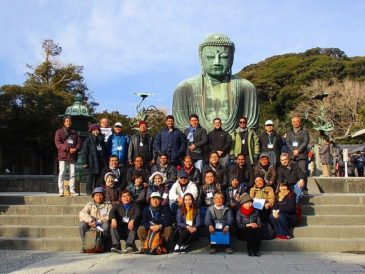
{"type": "Point", "coordinates": [60, 194]}
{"type": "Point", "coordinates": [73, 193]}
{"type": "Point", "coordinates": [177, 249]}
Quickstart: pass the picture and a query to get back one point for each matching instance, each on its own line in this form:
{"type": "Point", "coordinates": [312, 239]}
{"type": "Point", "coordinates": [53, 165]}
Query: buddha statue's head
{"type": "Point", "coordinates": [216, 54]}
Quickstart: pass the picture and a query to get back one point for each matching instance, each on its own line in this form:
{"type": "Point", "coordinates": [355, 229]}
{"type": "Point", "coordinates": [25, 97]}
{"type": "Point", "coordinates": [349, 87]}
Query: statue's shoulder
{"type": "Point", "coordinates": [242, 81]}
{"type": "Point", "coordinates": [192, 82]}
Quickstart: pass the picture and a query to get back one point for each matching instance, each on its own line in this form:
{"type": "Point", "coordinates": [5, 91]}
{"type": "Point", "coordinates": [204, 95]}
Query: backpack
{"type": "Point", "coordinates": [93, 241]}
{"type": "Point", "coordinates": [154, 244]}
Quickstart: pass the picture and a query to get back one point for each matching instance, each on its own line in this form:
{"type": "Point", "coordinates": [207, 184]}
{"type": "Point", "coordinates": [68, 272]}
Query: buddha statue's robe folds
{"type": "Point", "coordinates": [228, 100]}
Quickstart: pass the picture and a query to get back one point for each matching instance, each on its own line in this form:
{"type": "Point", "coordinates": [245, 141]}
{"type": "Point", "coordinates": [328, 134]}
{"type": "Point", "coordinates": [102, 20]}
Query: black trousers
{"type": "Point", "coordinates": [185, 237]}
{"type": "Point", "coordinates": [252, 236]}
{"type": "Point", "coordinates": [91, 182]}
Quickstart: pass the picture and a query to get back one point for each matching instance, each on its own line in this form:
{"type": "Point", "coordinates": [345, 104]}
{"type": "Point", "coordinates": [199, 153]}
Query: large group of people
{"type": "Point", "coordinates": [179, 183]}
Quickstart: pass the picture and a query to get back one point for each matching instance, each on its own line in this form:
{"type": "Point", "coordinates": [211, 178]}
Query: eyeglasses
{"type": "Point", "coordinates": [242, 122]}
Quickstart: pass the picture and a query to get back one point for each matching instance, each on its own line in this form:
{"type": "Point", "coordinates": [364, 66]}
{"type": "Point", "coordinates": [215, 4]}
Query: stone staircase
{"type": "Point", "coordinates": [332, 222]}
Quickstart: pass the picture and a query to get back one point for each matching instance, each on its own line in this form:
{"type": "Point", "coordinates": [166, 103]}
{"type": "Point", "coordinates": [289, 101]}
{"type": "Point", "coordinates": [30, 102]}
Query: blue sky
{"type": "Point", "coordinates": [150, 46]}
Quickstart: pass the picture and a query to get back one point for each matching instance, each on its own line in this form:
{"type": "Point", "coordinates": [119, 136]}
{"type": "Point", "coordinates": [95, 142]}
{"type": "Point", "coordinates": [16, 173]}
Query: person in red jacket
{"type": "Point", "coordinates": [68, 145]}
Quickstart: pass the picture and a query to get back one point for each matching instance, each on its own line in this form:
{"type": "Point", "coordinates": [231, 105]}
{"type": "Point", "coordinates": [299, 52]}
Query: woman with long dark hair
{"type": "Point", "coordinates": [188, 222]}
{"type": "Point", "coordinates": [284, 212]}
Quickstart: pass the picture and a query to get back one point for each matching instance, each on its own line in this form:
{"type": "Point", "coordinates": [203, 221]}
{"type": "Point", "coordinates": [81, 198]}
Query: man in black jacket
{"type": "Point", "coordinates": [297, 141]}
{"type": "Point", "coordinates": [271, 143]}
{"type": "Point", "coordinates": [242, 171]}
{"type": "Point", "coordinates": [290, 173]}
{"type": "Point", "coordinates": [219, 140]}
{"type": "Point", "coordinates": [197, 139]}
{"type": "Point", "coordinates": [156, 218]}
{"type": "Point", "coordinates": [125, 219]}
{"type": "Point", "coordinates": [138, 168]}
{"type": "Point", "coordinates": [141, 143]}
{"type": "Point", "coordinates": [119, 172]}
{"type": "Point", "coordinates": [166, 168]}
{"type": "Point", "coordinates": [194, 173]}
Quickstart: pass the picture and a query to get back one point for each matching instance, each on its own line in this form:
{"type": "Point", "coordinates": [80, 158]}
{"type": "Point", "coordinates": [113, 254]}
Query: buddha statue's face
{"type": "Point", "coordinates": [216, 60]}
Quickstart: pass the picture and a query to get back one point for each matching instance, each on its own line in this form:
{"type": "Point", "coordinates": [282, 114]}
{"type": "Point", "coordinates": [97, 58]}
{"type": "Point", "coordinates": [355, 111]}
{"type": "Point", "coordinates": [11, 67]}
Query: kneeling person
{"type": "Point", "coordinates": [95, 215]}
{"type": "Point", "coordinates": [124, 222]}
{"type": "Point", "coordinates": [218, 219]}
{"type": "Point", "coordinates": [156, 218]}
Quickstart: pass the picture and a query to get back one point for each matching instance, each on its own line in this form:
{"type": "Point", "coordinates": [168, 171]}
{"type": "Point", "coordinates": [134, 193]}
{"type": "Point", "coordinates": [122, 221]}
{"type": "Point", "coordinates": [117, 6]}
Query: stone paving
{"type": "Point", "coordinates": [200, 262]}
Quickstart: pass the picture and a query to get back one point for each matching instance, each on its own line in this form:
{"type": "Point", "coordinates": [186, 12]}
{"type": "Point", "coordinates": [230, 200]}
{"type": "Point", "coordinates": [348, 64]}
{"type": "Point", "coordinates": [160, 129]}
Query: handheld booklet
{"type": "Point", "coordinates": [219, 238]}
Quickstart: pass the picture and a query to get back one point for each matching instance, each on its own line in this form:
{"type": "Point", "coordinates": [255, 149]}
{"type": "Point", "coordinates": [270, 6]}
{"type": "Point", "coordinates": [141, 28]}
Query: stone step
{"type": "Point", "coordinates": [75, 209]}
{"type": "Point", "coordinates": [43, 199]}
{"type": "Point", "coordinates": [26, 183]}
{"type": "Point", "coordinates": [296, 244]}
{"type": "Point", "coordinates": [40, 220]}
{"type": "Point", "coordinates": [333, 220]}
{"type": "Point", "coordinates": [39, 231]}
{"type": "Point", "coordinates": [339, 184]}
{"type": "Point", "coordinates": [67, 220]}
{"type": "Point", "coordinates": [314, 231]}
{"type": "Point", "coordinates": [334, 199]}
{"type": "Point", "coordinates": [40, 209]}
{"type": "Point", "coordinates": [327, 231]}
{"type": "Point", "coordinates": [333, 209]}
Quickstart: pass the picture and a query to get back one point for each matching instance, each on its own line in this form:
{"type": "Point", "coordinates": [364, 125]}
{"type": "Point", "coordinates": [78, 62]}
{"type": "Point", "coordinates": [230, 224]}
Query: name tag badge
{"type": "Point", "coordinates": [141, 144]}
{"type": "Point", "coordinates": [218, 226]}
{"type": "Point", "coordinates": [70, 141]}
{"type": "Point", "coordinates": [189, 223]}
{"type": "Point", "coordinates": [119, 148]}
{"type": "Point", "coordinates": [209, 194]}
{"type": "Point", "coordinates": [295, 144]}
{"type": "Point", "coordinates": [164, 196]}
{"type": "Point", "coordinates": [125, 220]}
{"type": "Point", "coordinates": [243, 141]}
{"type": "Point", "coordinates": [99, 147]}
{"type": "Point", "coordinates": [270, 146]}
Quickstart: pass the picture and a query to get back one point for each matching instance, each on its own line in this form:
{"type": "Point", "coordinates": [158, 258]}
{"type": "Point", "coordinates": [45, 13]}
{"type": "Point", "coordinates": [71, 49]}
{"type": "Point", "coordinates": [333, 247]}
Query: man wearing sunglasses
{"type": "Point", "coordinates": [245, 141]}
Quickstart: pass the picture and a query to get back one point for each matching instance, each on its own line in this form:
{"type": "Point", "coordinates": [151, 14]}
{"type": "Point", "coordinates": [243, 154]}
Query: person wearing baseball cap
{"type": "Point", "coordinates": [271, 143]}
{"type": "Point", "coordinates": [266, 170]}
{"type": "Point", "coordinates": [118, 144]}
{"type": "Point", "coordinates": [95, 214]}
{"type": "Point", "coordinates": [182, 186]}
{"type": "Point", "coordinates": [155, 218]}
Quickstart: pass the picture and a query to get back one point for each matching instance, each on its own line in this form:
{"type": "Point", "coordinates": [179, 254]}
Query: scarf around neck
{"type": "Point", "coordinates": [245, 211]}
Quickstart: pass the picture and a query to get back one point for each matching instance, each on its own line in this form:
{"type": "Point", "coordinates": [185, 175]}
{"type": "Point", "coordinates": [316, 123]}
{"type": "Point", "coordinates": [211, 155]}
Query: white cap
{"type": "Point", "coordinates": [118, 124]}
{"type": "Point", "coordinates": [269, 123]}
{"type": "Point", "coordinates": [155, 195]}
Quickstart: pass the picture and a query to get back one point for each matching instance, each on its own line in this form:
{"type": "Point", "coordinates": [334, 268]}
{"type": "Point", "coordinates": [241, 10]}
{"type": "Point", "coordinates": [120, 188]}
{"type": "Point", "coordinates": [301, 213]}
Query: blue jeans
{"type": "Point", "coordinates": [298, 191]}
{"type": "Point", "coordinates": [281, 225]}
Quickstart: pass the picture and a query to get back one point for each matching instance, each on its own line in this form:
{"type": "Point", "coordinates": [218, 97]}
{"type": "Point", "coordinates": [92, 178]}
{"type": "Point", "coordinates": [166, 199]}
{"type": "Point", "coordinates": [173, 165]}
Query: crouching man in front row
{"type": "Point", "coordinates": [218, 219]}
{"type": "Point", "coordinates": [156, 218]}
{"type": "Point", "coordinates": [125, 218]}
{"type": "Point", "coordinates": [96, 215]}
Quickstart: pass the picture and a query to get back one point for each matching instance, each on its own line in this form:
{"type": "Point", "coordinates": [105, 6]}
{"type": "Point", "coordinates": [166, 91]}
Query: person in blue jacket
{"type": "Point", "coordinates": [170, 141]}
{"type": "Point", "coordinates": [118, 144]}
